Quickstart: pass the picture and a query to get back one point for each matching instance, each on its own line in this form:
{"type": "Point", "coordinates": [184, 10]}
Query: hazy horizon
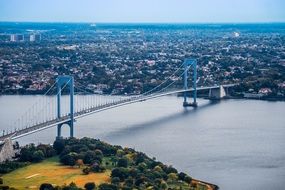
{"type": "Point", "coordinates": [146, 11]}
{"type": "Point", "coordinates": [150, 23]}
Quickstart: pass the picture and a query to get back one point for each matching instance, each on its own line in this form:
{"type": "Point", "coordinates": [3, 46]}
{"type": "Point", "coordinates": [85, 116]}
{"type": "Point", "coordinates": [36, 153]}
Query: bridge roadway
{"type": "Point", "coordinates": [48, 124]}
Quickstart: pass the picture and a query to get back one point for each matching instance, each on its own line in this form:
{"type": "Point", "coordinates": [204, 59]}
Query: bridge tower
{"type": "Point", "coordinates": [187, 64]}
{"type": "Point", "coordinates": [61, 82]}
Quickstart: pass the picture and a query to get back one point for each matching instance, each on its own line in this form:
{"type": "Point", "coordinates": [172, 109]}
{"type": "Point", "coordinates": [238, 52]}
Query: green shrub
{"type": "Point", "coordinates": [38, 156]}
{"type": "Point", "coordinates": [9, 166]}
{"type": "Point", "coordinates": [90, 186]}
{"type": "Point", "coordinates": [46, 186]}
{"type": "Point", "coordinates": [106, 186]}
{"type": "Point", "coordinates": [86, 170]}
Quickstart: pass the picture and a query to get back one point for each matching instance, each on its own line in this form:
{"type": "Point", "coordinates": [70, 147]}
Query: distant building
{"type": "Point", "coordinates": [265, 91]}
{"type": "Point", "coordinates": [35, 37]}
{"type": "Point", "coordinates": [13, 38]}
{"type": "Point", "coordinates": [17, 38]}
{"type": "Point", "coordinates": [236, 34]}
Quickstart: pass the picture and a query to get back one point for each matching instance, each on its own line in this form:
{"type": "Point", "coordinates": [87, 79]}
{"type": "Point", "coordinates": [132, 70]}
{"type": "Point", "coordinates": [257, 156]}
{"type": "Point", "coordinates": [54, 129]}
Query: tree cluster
{"type": "Point", "coordinates": [129, 168]}
{"type": "Point", "coordinates": [28, 154]}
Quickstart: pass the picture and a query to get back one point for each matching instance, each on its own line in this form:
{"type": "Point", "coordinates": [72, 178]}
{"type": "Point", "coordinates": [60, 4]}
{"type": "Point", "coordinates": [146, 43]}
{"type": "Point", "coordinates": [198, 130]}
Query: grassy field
{"type": "Point", "coordinates": [50, 170]}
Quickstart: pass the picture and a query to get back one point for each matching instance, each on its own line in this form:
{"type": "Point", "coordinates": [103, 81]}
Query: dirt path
{"type": "Point", "coordinates": [32, 176]}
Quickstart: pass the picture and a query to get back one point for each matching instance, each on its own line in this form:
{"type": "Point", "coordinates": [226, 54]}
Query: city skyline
{"type": "Point", "coordinates": [147, 11]}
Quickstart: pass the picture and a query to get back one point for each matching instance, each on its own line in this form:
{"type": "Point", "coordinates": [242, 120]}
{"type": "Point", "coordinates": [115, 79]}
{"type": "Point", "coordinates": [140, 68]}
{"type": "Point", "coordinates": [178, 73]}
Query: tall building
{"type": "Point", "coordinates": [35, 37]}
{"type": "Point", "coordinates": [17, 38]}
{"type": "Point", "coordinates": [13, 38]}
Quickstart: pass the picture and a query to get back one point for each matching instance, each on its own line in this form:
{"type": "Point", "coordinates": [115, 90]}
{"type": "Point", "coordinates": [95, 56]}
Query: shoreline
{"type": "Point", "coordinates": [273, 99]}
{"type": "Point", "coordinates": [210, 186]}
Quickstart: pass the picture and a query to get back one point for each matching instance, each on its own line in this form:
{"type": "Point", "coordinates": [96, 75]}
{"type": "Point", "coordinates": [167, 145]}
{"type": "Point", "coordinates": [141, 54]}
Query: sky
{"type": "Point", "coordinates": [143, 11]}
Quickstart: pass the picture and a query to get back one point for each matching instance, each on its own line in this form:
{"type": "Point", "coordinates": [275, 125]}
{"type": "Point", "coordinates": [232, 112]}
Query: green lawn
{"type": "Point", "coordinates": [50, 170]}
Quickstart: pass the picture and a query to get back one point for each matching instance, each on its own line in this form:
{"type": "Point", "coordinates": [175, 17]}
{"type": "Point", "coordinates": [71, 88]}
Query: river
{"type": "Point", "coordinates": [236, 144]}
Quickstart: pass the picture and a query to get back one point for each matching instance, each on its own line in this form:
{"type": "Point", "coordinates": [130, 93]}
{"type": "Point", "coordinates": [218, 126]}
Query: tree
{"type": "Point", "coordinates": [43, 148]}
{"type": "Point", "coordinates": [50, 152]}
{"type": "Point", "coordinates": [86, 170]}
{"type": "Point", "coordinates": [115, 180]}
{"type": "Point", "coordinates": [90, 186]}
{"type": "Point", "coordinates": [133, 172]}
{"type": "Point", "coordinates": [89, 157]}
{"type": "Point", "coordinates": [17, 145]}
{"type": "Point", "coordinates": [97, 168]}
{"type": "Point", "coordinates": [188, 179]}
{"type": "Point", "coordinates": [114, 160]}
{"type": "Point", "coordinates": [106, 186]}
{"type": "Point", "coordinates": [46, 186]}
{"type": "Point", "coordinates": [5, 187]}
{"type": "Point", "coordinates": [158, 169]}
{"type": "Point", "coordinates": [26, 153]}
{"type": "Point", "coordinates": [121, 173]}
{"type": "Point", "coordinates": [79, 163]}
{"type": "Point", "coordinates": [172, 176]}
{"type": "Point", "coordinates": [120, 153]}
{"type": "Point", "coordinates": [142, 166]}
{"type": "Point", "coordinates": [139, 158]}
{"type": "Point", "coordinates": [71, 186]}
{"type": "Point", "coordinates": [38, 156]}
{"type": "Point", "coordinates": [98, 152]}
{"type": "Point", "coordinates": [181, 176]}
{"type": "Point", "coordinates": [69, 159]}
{"type": "Point", "coordinates": [122, 162]}
{"type": "Point", "coordinates": [59, 145]}
{"type": "Point", "coordinates": [170, 169]}
{"type": "Point", "coordinates": [129, 182]}
{"type": "Point", "coordinates": [139, 181]}
{"type": "Point", "coordinates": [9, 166]}
{"type": "Point", "coordinates": [163, 185]}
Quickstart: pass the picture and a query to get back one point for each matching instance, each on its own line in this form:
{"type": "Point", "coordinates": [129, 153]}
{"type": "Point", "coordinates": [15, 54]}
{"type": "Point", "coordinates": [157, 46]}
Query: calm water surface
{"type": "Point", "coordinates": [236, 144]}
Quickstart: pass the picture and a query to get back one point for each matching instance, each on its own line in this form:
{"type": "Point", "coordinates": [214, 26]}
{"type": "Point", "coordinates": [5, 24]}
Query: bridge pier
{"type": "Point", "coordinates": [71, 128]}
{"type": "Point", "coordinates": [187, 64]}
{"type": "Point", "coordinates": [6, 150]}
{"type": "Point", "coordinates": [65, 81]}
{"type": "Point", "coordinates": [217, 94]}
{"type": "Point", "coordinates": [59, 131]}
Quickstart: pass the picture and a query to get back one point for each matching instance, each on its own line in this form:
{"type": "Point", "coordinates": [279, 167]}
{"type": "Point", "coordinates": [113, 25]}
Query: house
{"type": "Point", "coordinates": [265, 91]}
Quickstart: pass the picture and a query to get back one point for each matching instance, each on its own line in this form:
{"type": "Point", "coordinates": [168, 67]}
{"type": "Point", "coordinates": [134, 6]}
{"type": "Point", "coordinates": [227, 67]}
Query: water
{"type": "Point", "coordinates": [236, 144]}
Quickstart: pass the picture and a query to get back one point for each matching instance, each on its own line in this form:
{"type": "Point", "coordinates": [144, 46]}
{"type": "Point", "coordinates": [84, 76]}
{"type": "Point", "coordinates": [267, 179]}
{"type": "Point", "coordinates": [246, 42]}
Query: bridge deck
{"type": "Point", "coordinates": [51, 123]}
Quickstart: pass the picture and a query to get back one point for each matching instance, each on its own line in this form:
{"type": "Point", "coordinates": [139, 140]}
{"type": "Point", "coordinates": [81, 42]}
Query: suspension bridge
{"type": "Point", "coordinates": [49, 111]}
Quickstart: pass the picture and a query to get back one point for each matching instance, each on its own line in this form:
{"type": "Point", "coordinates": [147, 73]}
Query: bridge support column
{"type": "Point", "coordinates": [218, 93]}
{"type": "Point", "coordinates": [6, 150]}
{"type": "Point", "coordinates": [62, 82]}
{"type": "Point", "coordinates": [59, 131]}
{"type": "Point", "coordinates": [187, 64]}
